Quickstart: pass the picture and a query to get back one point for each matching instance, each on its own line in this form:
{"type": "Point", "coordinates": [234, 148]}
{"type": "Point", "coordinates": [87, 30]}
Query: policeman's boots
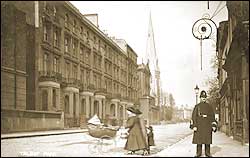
{"type": "Point", "coordinates": [207, 150]}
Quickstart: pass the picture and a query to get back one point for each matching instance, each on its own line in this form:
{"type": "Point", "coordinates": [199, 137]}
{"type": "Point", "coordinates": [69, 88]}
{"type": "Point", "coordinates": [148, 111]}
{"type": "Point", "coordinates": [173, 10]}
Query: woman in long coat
{"type": "Point", "coordinates": [136, 139]}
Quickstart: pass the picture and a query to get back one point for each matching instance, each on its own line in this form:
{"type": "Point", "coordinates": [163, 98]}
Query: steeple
{"type": "Point", "coordinates": [152, 59]}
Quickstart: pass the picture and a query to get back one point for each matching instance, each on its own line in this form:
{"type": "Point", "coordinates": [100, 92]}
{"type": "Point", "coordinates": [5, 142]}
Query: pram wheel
{"type": "Point", "coordinates": [94, 148]}
{"type": "Point", "coordinates": [107, 143]}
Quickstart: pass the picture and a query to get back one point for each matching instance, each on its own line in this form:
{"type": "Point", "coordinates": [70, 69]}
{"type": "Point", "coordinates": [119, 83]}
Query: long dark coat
{"type": "Point", "coordinates": [151, 141]}
{"type": "Point", "coordinates": [203, 135]}
{"type": "Point", "coordinates": [136, 139]}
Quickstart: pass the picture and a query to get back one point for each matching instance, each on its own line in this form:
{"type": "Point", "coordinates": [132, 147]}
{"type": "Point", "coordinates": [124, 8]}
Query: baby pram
{"type": "Point", "coordinates": [105, 133]}
{"type": "Point", "coordinates": [98, 131]}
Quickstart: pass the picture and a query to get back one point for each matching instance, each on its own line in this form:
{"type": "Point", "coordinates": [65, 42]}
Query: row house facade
{"type": "Point", "coordinates": [71, 70]}
{"type": "Point", "coordinates": [182, 113]}
{"type": "Point", "coordinates": [233, 71]}
{"type": "Point", "coordinates": [140, 79]}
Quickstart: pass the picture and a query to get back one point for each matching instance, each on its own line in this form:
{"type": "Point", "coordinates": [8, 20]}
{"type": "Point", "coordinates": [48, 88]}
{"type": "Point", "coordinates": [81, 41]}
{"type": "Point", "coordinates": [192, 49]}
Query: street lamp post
{"type": "Point", "coordinates": [196, 89]}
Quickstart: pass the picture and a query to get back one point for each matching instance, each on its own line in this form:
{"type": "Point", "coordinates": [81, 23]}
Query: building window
{"type": "Point", "coordinates": [66, 22]}
{"type": "Point", "coordinates": [44, 100]}
{"type": "Point", "coordinates": [75, 72]}
{"type": "Point", "coordinates": [67, 69]}
{"type": "Point", "coordinates": [94, 60]}
{"type": "Point", "coordinates": [99, 44]}
{"type": "Point", "coordinates": [56, 38]}
{"type": "Point", "coordinates": [82, 76]}
{"type": "Point", "coordinates": [109, 68]}
{"type": "Point", "coordinates": [45, 33]}
{"type": "Point", "coordinates": [106, 84]}
{"type": "Point", "coordinates": [54, 98]}
{"type": "Point", "coordinates": [94, 78]}
{"type": "Point", "coordinates": [56, 65]}
{"type": "Point", "coordinates": [74, 104]}
{"type": "Point", "coordinates": [87, 78]}
{"type": "Point", "coordinates": [112, 110]}
{"type": "Point", "coordinates": [87, 56]}
{"type": "Point", "coordinates": [87, 34]}
{"type": "Point", "coordinates": [98, 81]}
{"type": "Point", "coordinates": [105, 67]}
{"type": "Point", "coordinates": [66, 44]}
{"type": "Point", "coordinates": [121, 112]}
{"type": "Point", "coordinates": [54, 10]}
{"type": "Point", "coordinates": [66, 104]}
{"type": "Point", "coordinates": [45, 62]}
{"type": "Point", "coordinates": [87, 37]}
{"type": "Point", "coordinates": [81, 53]}
{"type": "Point", "coordinates": [74, 48]}
{"type": "Point", "coordinates": [74, 26]}
{"type": "Point", "coordinates": [114, 72]}
{"type": "Point", "coordinates": [83, 107]}
{"type": "Point", "coordinates": [81, 30]}
{"type": "Point", "coordinates": [96, 108]}
{"type": "Point", "coordinates": [95, 43]}
{"type": "Point", "coordinates": [100, 62]}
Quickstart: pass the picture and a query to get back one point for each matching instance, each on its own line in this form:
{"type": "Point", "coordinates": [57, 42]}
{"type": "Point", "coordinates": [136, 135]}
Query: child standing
{"type": "Point", "coordinates": [151, 141]}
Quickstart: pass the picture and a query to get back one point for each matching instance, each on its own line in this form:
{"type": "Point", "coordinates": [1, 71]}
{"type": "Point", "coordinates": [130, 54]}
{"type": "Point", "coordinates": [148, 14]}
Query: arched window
{"type": "Point", "coordinates": [66, 104]}
{"type": "Point", "coordinates": [112, 109]}
{"type": "Point", "coordinates": [44, 100]}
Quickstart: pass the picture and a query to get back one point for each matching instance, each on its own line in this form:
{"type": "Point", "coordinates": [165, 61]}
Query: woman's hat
{"type": "Point", "coordinates": [203, 94]}
{"type": "Point", "coordinates": [134, 110]}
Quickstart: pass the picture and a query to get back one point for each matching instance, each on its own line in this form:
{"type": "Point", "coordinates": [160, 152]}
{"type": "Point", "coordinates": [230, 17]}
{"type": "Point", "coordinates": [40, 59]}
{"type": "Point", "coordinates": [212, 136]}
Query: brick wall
{"type": "Point", "coordinates": [13, 57]}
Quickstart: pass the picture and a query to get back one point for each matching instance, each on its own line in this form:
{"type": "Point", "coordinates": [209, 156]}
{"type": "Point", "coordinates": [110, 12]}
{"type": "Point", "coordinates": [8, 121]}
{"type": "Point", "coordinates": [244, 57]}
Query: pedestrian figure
{"type": "Point", "coordinates": [136, 139]}
{"type": "Point", "coordinates": [203, 123]}
{"type": "Point", "coordinates": [151, 141]}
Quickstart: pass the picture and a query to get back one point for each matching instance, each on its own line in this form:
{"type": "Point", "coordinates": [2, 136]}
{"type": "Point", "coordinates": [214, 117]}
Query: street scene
{"type": "Point", "coordinates": [124, 79]}
{"type": "Point", "coordinates": [176, 143]}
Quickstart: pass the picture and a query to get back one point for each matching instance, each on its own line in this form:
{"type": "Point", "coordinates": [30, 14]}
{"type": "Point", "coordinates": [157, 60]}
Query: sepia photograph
{"type": "Point", "coordinates": [124, 78]}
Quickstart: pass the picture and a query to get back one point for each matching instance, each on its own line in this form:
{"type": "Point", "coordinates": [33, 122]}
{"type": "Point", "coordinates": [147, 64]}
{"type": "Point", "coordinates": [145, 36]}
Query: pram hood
{"type": "Point", "coordinates": [95, 120]}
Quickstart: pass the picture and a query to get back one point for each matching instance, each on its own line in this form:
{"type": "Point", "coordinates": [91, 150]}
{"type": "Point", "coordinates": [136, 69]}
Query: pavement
{"type": "Point", "coordinates": [41, 133]}
{"type": "Point", "coordinates": [223, 146]}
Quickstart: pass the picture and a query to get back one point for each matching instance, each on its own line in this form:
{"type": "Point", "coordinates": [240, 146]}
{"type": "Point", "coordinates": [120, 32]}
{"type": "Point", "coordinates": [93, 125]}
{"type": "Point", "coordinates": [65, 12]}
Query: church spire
{"type": "Point", "coordinates": [151, 57]}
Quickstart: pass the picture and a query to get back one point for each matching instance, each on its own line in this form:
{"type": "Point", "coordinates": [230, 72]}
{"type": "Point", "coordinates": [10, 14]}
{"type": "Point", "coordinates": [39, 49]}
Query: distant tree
{"type": "Point", "coordinates": [213, 83]}
{"type": "Point", "coordinates": [169, 113]}
{"type": "Point", "coordinates": [213, 92]}
{"type": "Point", "coordinates": [170, 109]}
{"type": "Point", "coordinates": [171, 100]}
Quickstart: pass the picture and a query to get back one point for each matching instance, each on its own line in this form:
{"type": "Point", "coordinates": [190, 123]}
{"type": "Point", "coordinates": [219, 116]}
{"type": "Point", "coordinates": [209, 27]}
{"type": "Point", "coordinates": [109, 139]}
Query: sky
{"type": "Point", "coordinates": [177, 49]}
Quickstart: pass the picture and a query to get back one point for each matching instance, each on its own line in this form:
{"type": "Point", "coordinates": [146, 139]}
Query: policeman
{"type": "Point", "coordinates": [203, 123]}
